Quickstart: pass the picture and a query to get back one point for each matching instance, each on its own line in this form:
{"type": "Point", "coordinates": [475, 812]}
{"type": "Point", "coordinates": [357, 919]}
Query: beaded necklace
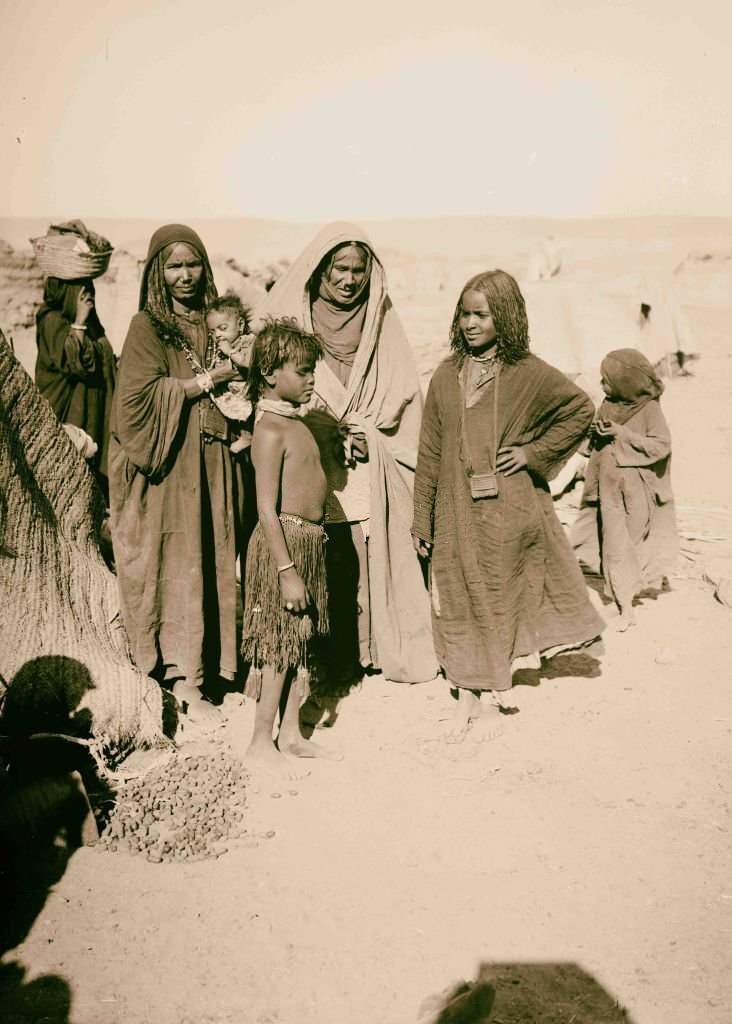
{"type": "Point", "coordinates": [190, 354]}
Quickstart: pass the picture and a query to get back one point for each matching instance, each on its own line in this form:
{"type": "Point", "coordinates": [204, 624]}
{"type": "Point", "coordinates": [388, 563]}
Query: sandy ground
{"type": "Point", "coordinates": [586, 851]}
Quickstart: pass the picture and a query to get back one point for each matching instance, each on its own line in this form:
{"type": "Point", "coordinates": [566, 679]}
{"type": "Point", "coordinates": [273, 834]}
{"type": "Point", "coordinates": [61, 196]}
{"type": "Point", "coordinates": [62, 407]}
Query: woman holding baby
{"type": "Point", "coordinates": [174, 484]}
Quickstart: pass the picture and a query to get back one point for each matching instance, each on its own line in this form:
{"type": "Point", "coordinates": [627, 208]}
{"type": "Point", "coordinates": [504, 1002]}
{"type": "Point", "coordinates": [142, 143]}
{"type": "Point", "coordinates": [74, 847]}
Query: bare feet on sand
{"type": "Point", "coordinates": [490, 724]}
{"type": "Point", "coordinates": [625, 621]}
{"type": "Point", "coordinates": [265, 757]}
{"type": "Point", "coordinates": [300, 747]}
{"type": "Point", "coordinates": [197, 709]}
{"type": "Point", "coordinates": [469, 709]}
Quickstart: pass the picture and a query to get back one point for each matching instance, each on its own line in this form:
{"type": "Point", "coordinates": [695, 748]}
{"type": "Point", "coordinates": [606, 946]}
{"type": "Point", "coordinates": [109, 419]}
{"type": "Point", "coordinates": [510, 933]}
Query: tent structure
{"type": "Point", "coordinates": [64, 660]}
{"type": "Point", "coordinates": [573, 324]}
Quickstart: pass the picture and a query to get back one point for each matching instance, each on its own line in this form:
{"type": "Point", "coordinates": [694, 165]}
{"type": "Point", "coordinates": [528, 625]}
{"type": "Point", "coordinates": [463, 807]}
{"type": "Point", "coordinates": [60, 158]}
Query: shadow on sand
{"type": "Point", "coordinates": [584, 664]}
{"type": "Point", "coordinates": [45, 815]}
{"type": "Point", "coordinates": [526, 993]}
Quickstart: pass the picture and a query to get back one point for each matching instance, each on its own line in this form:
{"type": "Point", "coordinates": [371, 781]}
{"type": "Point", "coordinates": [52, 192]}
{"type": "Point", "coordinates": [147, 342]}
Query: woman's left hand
{"type": "Point", "coordinates": [511, 459]}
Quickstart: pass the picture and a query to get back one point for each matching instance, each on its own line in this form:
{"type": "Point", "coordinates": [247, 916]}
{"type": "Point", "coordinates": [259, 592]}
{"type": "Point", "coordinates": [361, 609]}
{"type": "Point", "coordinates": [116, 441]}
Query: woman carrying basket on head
{"type": "Point", "coordinates": [75, 366]}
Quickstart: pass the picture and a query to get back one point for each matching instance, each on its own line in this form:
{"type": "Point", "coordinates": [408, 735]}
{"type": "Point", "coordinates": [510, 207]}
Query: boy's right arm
{"type": "Point", "coordinates": [268, 453]}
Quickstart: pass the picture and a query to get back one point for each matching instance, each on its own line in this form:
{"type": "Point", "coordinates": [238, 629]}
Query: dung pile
{"type": "Point", "coordinates": [185, 810]}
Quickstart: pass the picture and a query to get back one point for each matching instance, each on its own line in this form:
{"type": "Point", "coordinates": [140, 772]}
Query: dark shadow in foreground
{"type": "Point", "coordinates": [46, 772]}
{"type": "Point", "coordinates": [528, 993]}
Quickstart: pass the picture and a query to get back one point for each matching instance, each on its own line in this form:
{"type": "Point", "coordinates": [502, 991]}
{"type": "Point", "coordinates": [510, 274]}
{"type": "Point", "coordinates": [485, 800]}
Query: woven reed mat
{"type": "Point", "coordinates": [63, 650]}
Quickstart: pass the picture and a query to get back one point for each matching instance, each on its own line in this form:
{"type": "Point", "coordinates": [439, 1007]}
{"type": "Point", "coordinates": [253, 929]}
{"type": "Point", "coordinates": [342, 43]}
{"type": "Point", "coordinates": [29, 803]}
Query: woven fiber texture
{"type": "Point", "coordinates": [57, 259]}
{"type": "Point", "coordinates": [63, 650]}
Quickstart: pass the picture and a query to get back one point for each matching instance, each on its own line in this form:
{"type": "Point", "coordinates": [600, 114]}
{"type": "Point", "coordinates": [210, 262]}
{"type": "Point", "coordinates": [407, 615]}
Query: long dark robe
{"type": "Point", "coordinates": [76, 374]}
{"type": "Point", "coordinates": [505, 583]}
{"type": "Point", "coordinates": [173, 493]}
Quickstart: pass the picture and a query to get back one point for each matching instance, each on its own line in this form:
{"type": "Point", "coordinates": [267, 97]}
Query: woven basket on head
{"type": "Point", "coordinates": [63, 652]}
{"type": "Point", "coordinates": [57, 258]}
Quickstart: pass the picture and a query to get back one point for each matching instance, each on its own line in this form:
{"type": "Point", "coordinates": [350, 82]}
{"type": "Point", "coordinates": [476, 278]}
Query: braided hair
{"type": "Point", "coordinates": [158, 304]}
{"type": "Point", "coordinates": [508, 310]}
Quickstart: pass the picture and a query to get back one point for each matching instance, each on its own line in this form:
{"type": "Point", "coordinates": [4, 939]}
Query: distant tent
{"type": "Point", "coordinates": [574, 324]}
{"type": "Point", "coordinates": [664, 325]}
{"type": "Point", "coordinates": [545, 262]}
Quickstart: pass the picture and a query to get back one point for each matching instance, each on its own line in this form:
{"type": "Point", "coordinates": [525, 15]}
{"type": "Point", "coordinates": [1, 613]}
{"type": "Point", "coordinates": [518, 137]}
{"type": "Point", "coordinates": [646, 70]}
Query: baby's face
{"type": "Point", "coordinates": [222, 325]}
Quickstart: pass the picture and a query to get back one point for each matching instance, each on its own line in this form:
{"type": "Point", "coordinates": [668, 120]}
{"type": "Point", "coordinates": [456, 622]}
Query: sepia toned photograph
{"type": "Point", "coordinates": [365, 512]}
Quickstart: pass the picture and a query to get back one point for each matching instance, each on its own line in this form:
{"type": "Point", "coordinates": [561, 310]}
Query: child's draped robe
{"type": "Point", "coordinates": [626, 528]}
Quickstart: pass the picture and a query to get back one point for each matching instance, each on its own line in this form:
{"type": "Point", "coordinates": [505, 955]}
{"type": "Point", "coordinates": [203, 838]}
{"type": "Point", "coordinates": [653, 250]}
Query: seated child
{"type": "Point", "coordinates": [626, 528]}
{"type": "Point", "coordinates": [228, 323]}
{"type": "Point", "coordinates": [286, 601]}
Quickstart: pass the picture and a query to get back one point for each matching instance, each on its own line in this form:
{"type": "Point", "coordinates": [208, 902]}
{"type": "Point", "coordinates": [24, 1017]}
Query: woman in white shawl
{"type": "Point", "coordinates": [366, 414]}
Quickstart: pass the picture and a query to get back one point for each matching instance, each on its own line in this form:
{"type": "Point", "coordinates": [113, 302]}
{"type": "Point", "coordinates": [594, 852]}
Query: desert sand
{"type": "Point", "coordinates": [581, 861]}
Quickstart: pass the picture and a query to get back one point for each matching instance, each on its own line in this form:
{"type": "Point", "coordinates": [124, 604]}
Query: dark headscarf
{"type": "Point", "coordinates": [632, 383]}
{"type": "Point", "coordinates": [339, 324]}
{"type": "Point", "coordinates": [61, 297]}
{"type": "Point", "coordinates": [155, 297]}
{"type": "Point", "coordinates": [80, 393]}
{"type": "Point", "coordinates": [171, 234]}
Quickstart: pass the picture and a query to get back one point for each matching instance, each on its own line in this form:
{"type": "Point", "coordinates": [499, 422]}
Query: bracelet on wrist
{"type": "Point", "coordinates": [78, 327]}
{"type": "Point", "coordinates": [205, 381]}
{"type": "Point", "coordinates": [283, 568]}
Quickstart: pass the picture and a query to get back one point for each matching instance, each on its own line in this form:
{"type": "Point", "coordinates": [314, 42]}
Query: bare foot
{"type": "Point", "coordinates": [267, 758]}
{"type": "Point", "coordinates": [192, 704]}
{"type": "Point", "coordinates": [626, 620]}
{"type": "Point", "coordinates": [490, 723]}
{"type": "Point", "coordinates": [466, 710]}
{"type": "Point", "coordinates": [300, 747]}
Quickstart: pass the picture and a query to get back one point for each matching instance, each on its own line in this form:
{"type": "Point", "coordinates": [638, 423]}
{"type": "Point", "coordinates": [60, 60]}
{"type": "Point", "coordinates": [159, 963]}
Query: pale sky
{"type": "Point", "coordinates": [391, 108]}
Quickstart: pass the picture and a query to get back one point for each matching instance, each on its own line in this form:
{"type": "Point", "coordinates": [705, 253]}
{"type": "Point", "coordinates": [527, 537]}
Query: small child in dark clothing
{"type": "Point", "coordinates": [627, 523]}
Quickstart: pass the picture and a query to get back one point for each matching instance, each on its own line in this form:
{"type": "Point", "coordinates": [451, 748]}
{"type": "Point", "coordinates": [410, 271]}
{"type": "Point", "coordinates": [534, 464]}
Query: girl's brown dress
{"type": "Point", "coordinates": [505, 584]}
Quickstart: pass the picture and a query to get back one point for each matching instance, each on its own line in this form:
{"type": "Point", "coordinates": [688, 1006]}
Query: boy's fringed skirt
{"type": "Point", "coordinates": [271, 635]}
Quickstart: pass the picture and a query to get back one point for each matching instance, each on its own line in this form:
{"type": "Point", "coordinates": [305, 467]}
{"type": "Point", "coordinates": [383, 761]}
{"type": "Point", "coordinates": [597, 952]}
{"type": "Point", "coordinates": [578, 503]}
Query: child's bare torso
{"type": "Point", "coordinates": [303, 487]}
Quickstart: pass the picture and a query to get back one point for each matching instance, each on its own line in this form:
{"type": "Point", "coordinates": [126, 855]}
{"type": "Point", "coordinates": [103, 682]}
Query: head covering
{"type": "Point", "coordinates": [321, 285]}
{"type": "Point", "coordinates": [632, 383]}
{"type": "Point", "coordinates": [167, 235]}
{"type": "Point", "coordinates": [339, 324]}
{"type": "Point", "coordinates": [294, 294]}
{"type": "Point", "coordinates": [61, 296]}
